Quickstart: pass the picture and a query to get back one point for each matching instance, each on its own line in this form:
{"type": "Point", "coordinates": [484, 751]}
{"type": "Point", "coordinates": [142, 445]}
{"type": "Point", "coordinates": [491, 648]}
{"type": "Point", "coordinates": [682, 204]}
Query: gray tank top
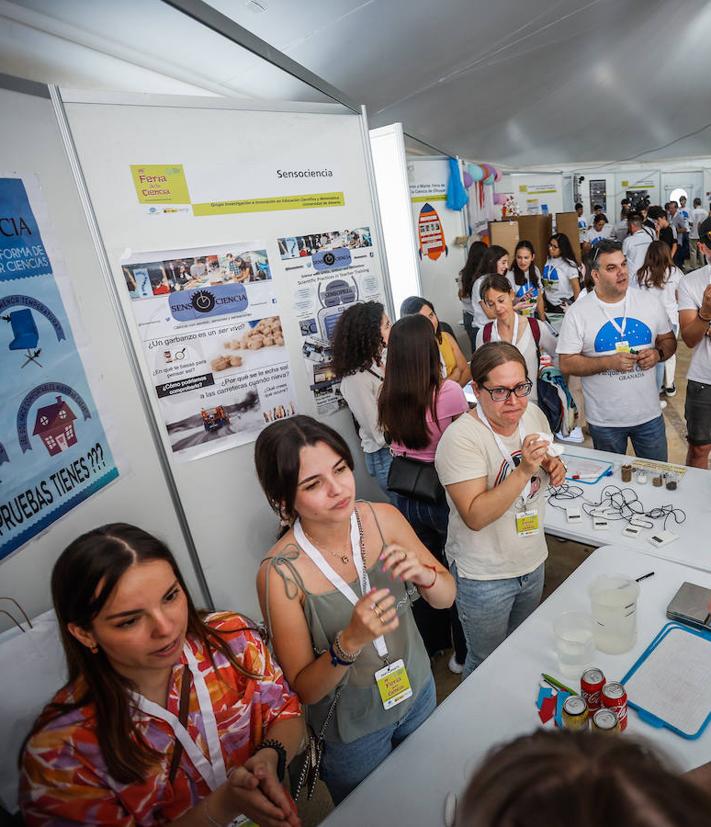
{"type": "Point", "coordinates": [358, 709]}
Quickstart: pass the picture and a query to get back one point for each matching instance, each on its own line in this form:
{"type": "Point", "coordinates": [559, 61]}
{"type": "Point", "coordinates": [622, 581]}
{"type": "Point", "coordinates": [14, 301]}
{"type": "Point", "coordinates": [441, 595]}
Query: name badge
{"type": "Point", "coordinates": [622, 347]}
{"type": "Point", "coordinates": [527, 523]}
{"type": "Point", "coordinates": [393, 684]}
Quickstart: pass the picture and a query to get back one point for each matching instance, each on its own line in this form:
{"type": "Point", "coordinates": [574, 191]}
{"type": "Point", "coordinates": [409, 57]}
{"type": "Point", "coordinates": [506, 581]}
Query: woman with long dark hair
{"type": "Point", "coordinates": [561, 278]}
{"type": "Point", "coordinates": [336, 590]}
{"type": "Point", "coordinates": [168, 717]}
{"type": "Point", "coordinates": [525, 279]}
{"type": "Point", "coordinates": [466, 281]}
{"type": "Point", "coordinates": [662, 277]}
{"type": "Point", "coordinates": [494, 260]}
{"type": "Point", "coordinates": [358, 351]}
{"type": "Point", "coordinates": [416, 406]}
{"type": "Point", "coordinates": [454, 365]}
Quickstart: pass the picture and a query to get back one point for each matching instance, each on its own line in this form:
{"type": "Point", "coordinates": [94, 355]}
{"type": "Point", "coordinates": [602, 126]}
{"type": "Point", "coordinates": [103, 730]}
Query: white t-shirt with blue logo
{"type": "Point", "coordinates": [616, 398]}
{"type": "Point", "coordinates": [557, 275]}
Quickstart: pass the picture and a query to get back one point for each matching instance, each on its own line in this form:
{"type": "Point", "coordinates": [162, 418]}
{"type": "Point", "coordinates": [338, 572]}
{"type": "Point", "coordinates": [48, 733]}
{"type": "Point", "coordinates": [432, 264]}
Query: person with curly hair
{"type": "Point", "coordinates": [358, 349]}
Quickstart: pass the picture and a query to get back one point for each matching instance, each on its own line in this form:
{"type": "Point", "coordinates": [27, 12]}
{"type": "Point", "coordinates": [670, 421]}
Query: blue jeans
{"type": "Point", "coordinates": [344, 766]}
{"type": "Point", "coordinates": [378, 466]}
{"type": "Point", "coordinates": [649, 439]}
{"type": "Point", "coordinates": [491, 609]}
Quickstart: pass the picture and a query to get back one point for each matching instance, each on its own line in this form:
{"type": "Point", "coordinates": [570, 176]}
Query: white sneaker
{"type": "Point", "coordinates": [576, 435]}
{"type": "Point", "coordinates": [454, 666]}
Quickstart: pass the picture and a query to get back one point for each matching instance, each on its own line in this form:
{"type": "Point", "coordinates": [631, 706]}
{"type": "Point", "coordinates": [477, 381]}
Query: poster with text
{"type": "Point", "coordinates": [53, 450]}
{"type": "Point", "coordinates": [328, 272]}
{"type": "Point", "coordinates": [213, 340]}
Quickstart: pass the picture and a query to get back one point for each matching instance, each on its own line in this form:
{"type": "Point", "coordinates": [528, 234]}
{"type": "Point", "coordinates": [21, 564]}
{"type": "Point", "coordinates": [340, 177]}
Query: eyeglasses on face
{"type": "Point", "coordinates": [503, 394]}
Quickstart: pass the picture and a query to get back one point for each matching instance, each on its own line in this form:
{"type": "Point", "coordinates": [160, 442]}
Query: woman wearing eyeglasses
{"type": "Point", "coordinates": [494, 466]}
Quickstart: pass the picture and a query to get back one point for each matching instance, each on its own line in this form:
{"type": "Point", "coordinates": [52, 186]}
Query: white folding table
{"type": "Point", "coordinates": [497, 702]}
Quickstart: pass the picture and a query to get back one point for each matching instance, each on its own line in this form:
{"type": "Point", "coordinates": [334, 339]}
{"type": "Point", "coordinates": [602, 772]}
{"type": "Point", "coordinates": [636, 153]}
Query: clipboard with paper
{"type": "Point", "coordinates": [670, 684]}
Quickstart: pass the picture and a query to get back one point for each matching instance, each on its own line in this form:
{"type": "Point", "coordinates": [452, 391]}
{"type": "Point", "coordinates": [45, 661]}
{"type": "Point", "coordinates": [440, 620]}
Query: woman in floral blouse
{"type": "Point", "coordinates": [167, 717]}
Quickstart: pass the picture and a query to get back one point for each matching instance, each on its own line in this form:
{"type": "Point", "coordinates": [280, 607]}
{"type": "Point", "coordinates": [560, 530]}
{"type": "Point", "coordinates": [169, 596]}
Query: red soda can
{"type": "Point", "coordinates": [614, 698]}
{"type": "Point", "coordinates": [591, 686]}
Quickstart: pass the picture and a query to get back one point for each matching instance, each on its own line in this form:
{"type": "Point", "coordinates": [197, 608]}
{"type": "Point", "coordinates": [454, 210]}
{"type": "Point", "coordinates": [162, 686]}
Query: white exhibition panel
{"type": "Point", "coordinates": [428, 185]}
{"type": "Point", "coordinates": [390, 166]}
{"type": "Point", "coordinates": [32, 145]}
{"type": "Point", "coordinates": [229, 150]}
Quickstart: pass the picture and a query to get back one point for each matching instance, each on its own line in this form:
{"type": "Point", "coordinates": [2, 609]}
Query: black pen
{"type": "Point", "coordinates": [644, 577]}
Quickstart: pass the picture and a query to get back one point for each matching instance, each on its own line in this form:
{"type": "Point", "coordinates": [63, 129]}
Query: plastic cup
{"type": "Point", "coordinates": [574, 642]}
{"type": "Point", "coordinates": [613, 600]}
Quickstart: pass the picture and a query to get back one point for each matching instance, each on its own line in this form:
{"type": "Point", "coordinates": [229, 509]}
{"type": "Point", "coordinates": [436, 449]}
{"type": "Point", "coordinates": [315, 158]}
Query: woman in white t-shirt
{"type": "Point", "coordinates": [561, 278]}
{"type": "Point", "coordinates": [528, 334]}
{"type": "Point", "coordinates": [494, 260]}
{"type": "Point", "coordinates": [525, 279]}
{"type": "Point", "coordinates": [659, 275]}
{"type": "Point", "coordinates": [495, 467]}
{"type": "Point", "coordinates": [358, 359]}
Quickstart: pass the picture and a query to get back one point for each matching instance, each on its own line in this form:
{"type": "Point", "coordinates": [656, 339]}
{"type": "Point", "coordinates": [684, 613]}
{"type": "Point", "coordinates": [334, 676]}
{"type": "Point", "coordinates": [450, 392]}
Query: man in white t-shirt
{"type": "Point", "coordinates": [635, 246]}
{"type": "Point", "coordinates": [698, 216]}
{"type": "Point", "coordinates": [613, 338]}
{"type": "Point", "coordinates": [695, 323]}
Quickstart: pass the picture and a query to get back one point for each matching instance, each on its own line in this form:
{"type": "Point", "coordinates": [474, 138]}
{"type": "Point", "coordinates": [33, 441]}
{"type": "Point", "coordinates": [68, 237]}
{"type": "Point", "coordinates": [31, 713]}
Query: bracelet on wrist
{"type": "Point", "coordinates": [280, 749]}
{"type": "Point", "coordinates": [703, 318]}
{"type": "Point", "coordinates": [342, 656]}
{"type": "Point", "coordinates": [434, 580]}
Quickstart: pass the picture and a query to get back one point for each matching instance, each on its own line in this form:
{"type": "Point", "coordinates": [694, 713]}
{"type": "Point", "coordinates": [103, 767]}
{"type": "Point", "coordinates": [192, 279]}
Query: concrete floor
{"type": "Point", "coordinates": [564, 557]}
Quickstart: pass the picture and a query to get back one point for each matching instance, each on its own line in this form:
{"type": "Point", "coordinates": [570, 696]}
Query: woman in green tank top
{"type": "Point", "coordinates": [336, 590]}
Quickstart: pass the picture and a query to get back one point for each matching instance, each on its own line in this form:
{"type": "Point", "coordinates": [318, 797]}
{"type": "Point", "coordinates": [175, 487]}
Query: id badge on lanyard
{"type": "Point", "coordinates": [211, 769]}
{"type": "Point", "coordinates": [392, 680]}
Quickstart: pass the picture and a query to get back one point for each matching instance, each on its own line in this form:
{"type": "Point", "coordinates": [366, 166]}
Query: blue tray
{"type": "Point", "coordinates": [644, 714]}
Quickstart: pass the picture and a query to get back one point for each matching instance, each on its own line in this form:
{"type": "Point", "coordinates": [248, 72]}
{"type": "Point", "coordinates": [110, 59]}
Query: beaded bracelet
{"type": "Point", "coordinates": [339, 656]}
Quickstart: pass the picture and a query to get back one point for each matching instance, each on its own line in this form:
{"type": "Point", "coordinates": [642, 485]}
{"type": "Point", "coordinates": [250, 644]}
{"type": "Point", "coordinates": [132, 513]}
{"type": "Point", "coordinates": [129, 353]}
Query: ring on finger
{"type": "Point", "coordinates": [378, 611]}
{"type": "Point", "coordinates": [403, 555]}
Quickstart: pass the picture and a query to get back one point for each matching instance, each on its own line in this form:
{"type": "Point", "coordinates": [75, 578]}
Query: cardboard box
{"type": "Point", "coordinates": [537, 229]}
{"type": "Point", "coordinates": [567, 223]}
{"type": "Point", "coordinates": [505, 234]}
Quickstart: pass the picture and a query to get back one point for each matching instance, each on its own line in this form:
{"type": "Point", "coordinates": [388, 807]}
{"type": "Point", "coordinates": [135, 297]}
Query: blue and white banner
{"type": "Point", "coordinates": [53, 449]}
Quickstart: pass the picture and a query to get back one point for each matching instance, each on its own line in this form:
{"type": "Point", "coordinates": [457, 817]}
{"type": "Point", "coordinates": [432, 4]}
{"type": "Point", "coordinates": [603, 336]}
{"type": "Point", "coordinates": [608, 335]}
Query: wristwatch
{"type": "Point", "coordinates": [280, 749]}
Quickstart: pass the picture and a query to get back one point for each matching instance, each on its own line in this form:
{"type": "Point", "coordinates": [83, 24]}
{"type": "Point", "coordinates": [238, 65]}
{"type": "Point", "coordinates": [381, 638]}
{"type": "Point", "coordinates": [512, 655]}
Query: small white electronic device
{"type": "Point", "coordinates": [600, 523]}
{"type": "Point", "coordinates": [661, 538]}
{"type": "Point", "coordinates": [631, 531]}
{"type": "Point", "coordinates": [573, 514]}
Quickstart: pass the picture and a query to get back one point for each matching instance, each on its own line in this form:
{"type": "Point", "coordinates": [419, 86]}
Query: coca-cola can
{"type": "Point", "coordinates": [614, 698]}
{"type": "Point", "coordinates": [591, 686]}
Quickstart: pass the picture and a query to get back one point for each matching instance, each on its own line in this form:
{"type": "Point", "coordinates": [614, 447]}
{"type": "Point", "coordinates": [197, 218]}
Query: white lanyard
{"type": "Point", "coordinates": [497, 337]}
{"type": "Point", "coordinates": [213, 769]}
{"type": "Point", "coordinates": [619, 328]}
{"type": "Point", "coordinates": [334, 578]}
{"type": "Point", "coordinates": [502, 448]}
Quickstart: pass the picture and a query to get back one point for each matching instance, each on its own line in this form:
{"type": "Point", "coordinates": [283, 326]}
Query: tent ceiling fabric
{"type": "Point", "coordinates": [518, 82]}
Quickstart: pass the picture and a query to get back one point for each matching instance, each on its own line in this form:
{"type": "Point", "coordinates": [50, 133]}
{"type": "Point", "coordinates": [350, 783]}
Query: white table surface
{"type": "Point", "coordinates": [497, 702]}
{"type": "Point", "coordinates": [693, 495]}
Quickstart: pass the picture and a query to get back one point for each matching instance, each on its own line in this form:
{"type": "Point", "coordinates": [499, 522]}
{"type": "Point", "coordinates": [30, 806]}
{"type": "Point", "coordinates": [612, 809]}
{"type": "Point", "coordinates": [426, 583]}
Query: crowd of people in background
{"type": "Point", "coordinates": [172, 716]}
